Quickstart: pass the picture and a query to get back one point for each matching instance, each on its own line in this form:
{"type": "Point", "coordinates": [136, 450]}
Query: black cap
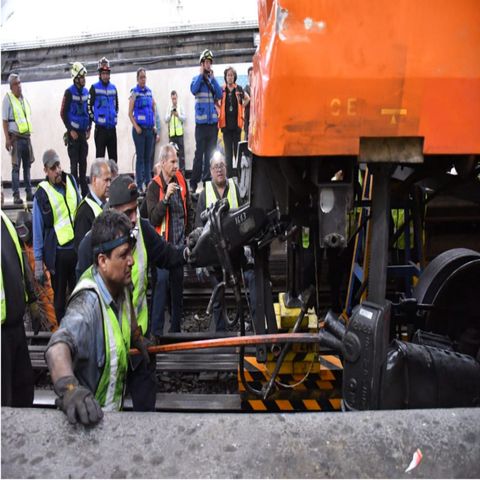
{"type": "Point", "coordinates": [122, 190]}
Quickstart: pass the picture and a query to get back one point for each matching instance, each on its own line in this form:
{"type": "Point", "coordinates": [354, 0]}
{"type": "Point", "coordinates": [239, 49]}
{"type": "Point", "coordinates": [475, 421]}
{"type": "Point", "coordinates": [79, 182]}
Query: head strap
{"type": "Point", "coordinates": [112, 244]}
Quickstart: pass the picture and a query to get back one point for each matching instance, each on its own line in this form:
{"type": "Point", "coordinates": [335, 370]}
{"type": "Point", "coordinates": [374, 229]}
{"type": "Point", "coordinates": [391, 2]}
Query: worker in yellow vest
{"type": "Point", "coordinates": [17, 127]}
{"type": "Point", "coordinates": [150, 251]}
{"type": "Point", "coordinates": [54, 206]}
{"type": "Point", "coordinates": [219, 187]}
{"type": "Point", "coordinates": [88, 356]}
{"type": "Point", "coordinates": [16, 292]}
{"type": "Point", "coordinates": [175, 118]}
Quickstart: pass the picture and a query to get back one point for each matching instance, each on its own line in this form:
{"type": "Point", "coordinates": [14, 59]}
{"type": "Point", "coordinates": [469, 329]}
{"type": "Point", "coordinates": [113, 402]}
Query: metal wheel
{"type": "Point", "coordinates": [451, 282]}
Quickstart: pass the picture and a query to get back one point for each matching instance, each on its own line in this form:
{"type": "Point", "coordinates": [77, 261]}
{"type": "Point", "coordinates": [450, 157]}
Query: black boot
{"type": "Point", "coordinates": [16, 199]}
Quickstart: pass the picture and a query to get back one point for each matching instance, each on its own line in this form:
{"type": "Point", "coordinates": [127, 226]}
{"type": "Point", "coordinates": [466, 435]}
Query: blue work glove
{"type": "Point", "coordinates": [39, 272]}
{"type": "Point", "coordinates": [77, 402]}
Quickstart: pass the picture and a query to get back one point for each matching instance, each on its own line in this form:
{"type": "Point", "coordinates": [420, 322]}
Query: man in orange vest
{"type": "Point", "coordinates": [170, 212]}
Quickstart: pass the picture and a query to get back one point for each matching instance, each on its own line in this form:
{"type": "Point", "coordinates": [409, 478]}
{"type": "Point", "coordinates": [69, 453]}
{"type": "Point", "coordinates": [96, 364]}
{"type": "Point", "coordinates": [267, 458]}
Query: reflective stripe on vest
{"type": "Point", "coordinates": [175, 127]}
{"type": "Point", "coordinates": [13, 234]}
{"type": "Point", "coordinates": [205, 108]}
{"type": "Point", "coordinates": [78, 116]}
{"type": "Point", "coordinates": [96, 208]}
{"type": "Point", "coordinates": [143, 107]}
{"type": "Point", "coordinates": [211, 198]}
{"type": "Point", "coordinates": [104, 111]}
{"type": "Point", "coordinates": [305, 237]}
{"type": "Point", "coordinates": [163, 228]}
{"type": "Point", "coordinates": [62, 208]}
{"type": "Point", "coordinates": [21, 113]}
{"type": "Point", "coordinates": [109, 393]}
{"type": "Point", "coordinates": [140, 281]}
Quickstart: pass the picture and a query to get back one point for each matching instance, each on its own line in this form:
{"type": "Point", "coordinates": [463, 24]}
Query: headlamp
{"type": "Point", "coordinates": [106, 247]}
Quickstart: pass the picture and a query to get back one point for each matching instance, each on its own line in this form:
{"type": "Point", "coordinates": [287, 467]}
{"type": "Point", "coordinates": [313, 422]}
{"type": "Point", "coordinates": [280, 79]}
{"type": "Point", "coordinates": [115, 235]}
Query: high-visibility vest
{"type": "Point", "coordinates": [398, 215]}
{"type": "Point", "coordinates": [175, 126]}
{"type": "Point", "coordinates": [211, 198]}
{"type": "Point", "coordinates": [163, 228]}
{"type": "Point", "coordinates": [78, 117]}
{"type": "Point", "coordinates": [13, 234]}
{"type": "Point", "coordinates": [117, 334]}
{"type": "Point", "coordinates": [104, 111]}
{"type": "Point", "coordinates": [63, 209]}
{"type": "Point", "coordinates": [143, 107]}
{"type": "Point", "coordinates": [21, 113]}
{"type": "Point", "coordinates": [222, 120]}
{"type": "Point", "coordinates": [140, 281]}
{"type": "Point", "coordinates": [96, 208]}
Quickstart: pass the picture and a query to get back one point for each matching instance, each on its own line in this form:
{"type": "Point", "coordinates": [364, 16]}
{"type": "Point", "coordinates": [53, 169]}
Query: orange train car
{"type": "Point", "coordinates": [328, 72]}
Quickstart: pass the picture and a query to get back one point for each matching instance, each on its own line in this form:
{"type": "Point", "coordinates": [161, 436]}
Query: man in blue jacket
{"type": "Point", "coordinates": [103, 110]}
{"type": "Point", "coordinates": [206, 90]}
{"type": "Point", "coordinates": [74, 113]}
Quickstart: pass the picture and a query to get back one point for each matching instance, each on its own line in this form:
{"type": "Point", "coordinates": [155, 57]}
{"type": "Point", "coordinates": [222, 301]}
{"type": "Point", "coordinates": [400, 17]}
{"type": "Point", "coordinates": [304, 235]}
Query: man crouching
{"type": "Point", "coordinates": [88, 356]}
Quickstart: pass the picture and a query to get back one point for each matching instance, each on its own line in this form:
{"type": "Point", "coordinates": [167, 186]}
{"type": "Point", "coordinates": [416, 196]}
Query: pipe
{"type": "Point", "coordinates": [234, 342]}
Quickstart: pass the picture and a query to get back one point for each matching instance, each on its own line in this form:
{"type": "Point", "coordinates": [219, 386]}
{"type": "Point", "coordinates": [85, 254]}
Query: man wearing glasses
{"type": "Point", "coordinates": [219, 187]}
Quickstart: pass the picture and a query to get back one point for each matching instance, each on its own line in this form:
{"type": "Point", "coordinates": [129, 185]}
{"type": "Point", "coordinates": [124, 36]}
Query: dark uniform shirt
{"type": "Point", "coordinates": [231, 109]}
{"type": "Point", "coordinates": [13, 283]}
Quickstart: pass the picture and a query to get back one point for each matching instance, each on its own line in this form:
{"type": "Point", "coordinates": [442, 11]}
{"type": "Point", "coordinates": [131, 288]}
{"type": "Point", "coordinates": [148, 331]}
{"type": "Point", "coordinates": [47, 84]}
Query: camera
{"type": "Point", "coordinates": [174, 109]}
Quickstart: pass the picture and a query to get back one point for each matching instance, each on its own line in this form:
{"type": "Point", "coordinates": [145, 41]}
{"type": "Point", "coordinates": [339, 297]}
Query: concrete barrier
{"type": "Point", "coordinates": [40, 443]}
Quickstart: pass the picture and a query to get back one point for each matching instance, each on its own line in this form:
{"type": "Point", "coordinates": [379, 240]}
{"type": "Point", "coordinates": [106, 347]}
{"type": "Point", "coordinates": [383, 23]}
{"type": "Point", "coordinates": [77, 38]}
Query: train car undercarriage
{"type": "Point", "coordinates": [432, 330]}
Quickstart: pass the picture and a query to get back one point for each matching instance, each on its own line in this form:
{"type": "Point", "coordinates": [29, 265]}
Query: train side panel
{"type": "Point", "coordinates": [329, 72]}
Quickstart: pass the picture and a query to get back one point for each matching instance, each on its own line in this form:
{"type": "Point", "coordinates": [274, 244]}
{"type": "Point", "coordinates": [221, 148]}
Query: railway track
{"type": "Point", "coordinates": [210, 371]}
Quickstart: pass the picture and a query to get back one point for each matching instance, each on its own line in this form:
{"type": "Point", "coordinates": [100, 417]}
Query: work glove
{"type": "Point", "coordinates": [202, 274]}
{"type": "Point", "coordinates": [77, 402]}
{"type": "Point", "coordinates": [36, 316]}
{"type": "Point", "coordinates": [142, 343]}
{"type": "Point", "coordinates": [193, 238]}
{"type": "Point", "coordinates": [39, 273]}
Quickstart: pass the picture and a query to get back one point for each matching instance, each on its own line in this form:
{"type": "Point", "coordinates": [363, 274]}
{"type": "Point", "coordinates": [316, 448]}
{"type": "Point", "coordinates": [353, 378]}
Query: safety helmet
{"type": "Point", "coordinates": [78, 70]}
{"type": "Point", "coordinates": [206, 55]}
{"type": "Point", "coordinates": [103, 65]}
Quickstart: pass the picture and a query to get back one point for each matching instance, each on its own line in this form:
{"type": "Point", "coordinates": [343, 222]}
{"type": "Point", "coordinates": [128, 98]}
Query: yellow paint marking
{"type": "Point", "coordinates": [393, 112]}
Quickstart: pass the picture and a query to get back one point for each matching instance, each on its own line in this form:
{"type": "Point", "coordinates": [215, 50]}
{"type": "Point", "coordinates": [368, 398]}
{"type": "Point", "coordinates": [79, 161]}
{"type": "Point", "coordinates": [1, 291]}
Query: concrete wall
{"type": "Point", "coordinates": [45, 100]}
{"type": "Point", "coordinates": [42, 444]}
